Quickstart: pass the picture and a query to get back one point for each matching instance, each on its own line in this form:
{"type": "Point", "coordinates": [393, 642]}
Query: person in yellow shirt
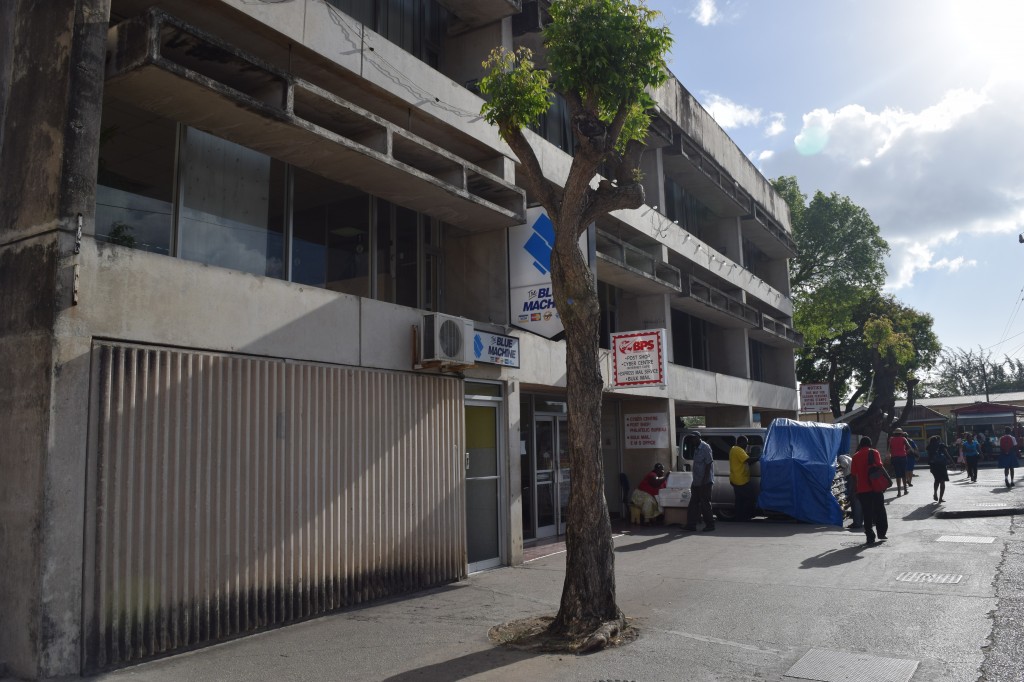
{"type": "Point", "coordinates": [739, 477]}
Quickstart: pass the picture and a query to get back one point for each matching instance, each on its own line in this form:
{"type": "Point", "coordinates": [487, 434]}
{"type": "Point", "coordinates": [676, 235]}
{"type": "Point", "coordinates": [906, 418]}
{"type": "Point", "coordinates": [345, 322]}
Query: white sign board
{"type": "Point", "coordinates": [645, 431]}
{"type": "Point", "coordinates": [638, 359]}
{"type": "Point", "coordinates": [531, 302]}
{"type": "Point", "coordinates": [814, 398]}
{"type": "Point", "coordinates": [496, 349]}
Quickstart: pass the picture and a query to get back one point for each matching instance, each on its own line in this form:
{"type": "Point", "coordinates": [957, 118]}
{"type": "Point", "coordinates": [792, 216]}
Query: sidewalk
{"type": "Point", "coordinates": [751, 601]}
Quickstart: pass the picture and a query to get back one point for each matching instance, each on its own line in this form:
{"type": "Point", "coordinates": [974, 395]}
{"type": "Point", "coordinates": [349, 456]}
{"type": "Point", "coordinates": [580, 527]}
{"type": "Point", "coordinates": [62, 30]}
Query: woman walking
{"type": "Point", "coordinates": [938, 455]}
{"type": "Point", "coordinates": [1008, 448]}
{"type": "Point", "coordinates": [871, 502]}
{"type": "Point", "coordinates": [898, 449]}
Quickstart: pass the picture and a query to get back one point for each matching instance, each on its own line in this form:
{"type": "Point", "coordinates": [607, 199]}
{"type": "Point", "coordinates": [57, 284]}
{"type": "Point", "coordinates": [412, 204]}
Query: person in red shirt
{"type": "Point", "coordinates": [872, 503]}
{"type": "Point", "coordinates": [646, 494]}
{"type": "Point", "coordinates": [1008, 456]}
{"type": "Point", "coordinates": [899, 448]}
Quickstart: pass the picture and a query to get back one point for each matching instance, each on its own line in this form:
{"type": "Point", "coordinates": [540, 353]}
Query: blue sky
{"type": "Point", "coordinates": [912, 108]}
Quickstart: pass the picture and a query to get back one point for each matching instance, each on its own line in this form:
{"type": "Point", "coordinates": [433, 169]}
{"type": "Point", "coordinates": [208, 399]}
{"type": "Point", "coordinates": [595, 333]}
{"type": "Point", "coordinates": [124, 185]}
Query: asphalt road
{"type": "Point", "coordinates": [941, 600]}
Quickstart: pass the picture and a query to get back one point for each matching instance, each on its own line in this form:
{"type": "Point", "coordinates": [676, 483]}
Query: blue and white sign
{"type": "Point", "coordinates": [531, 302]}
{"type": "Point", "coordinates": [496, 349]}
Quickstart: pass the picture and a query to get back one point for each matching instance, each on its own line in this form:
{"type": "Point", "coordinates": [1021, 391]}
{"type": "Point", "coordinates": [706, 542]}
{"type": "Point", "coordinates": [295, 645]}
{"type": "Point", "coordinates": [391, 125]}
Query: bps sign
{"type": "Point", "coordinates": [639, 359]}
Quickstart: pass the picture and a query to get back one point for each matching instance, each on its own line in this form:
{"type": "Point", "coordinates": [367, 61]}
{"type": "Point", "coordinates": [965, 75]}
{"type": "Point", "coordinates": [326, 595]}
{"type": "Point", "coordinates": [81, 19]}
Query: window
{"type": "Point", "coordinates": [331, 235]}
{"type": "Point", "coordinates": [608, 300]}
{"type": "Point", "coordinates": [135, 178]}
{"type": "Point", "coordinates": [232, 206]}
{"type": "Point", "coordinates": [416, 26]}
{"type": "Point", "coordinates": [689, 340]}
{"type": "Point", "coordinates": [223, 204]}
{"type": "Point", "coordinates": [555, 126]}
{"type": "Point", "coordinates": [757, 351]}
{"type": "Point", "coordinates": [684, 209]}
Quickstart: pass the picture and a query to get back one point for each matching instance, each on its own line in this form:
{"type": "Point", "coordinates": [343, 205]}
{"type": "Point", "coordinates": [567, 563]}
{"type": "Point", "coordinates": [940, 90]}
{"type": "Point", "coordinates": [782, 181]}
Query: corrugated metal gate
{"type": "Point", "coordinates": [231, 494]}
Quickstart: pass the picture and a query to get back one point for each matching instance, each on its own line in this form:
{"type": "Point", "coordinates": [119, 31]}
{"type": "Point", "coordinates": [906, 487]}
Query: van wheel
{"type": "Point", "coordinates": [725, 513]}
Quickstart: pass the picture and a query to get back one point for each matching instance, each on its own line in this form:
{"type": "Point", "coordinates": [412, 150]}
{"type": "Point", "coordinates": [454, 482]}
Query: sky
{"type": "Point", "coordinates": [912, 108]}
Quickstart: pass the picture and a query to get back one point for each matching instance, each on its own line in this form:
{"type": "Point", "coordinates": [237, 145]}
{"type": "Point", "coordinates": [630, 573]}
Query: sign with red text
{"type": "Point", "coordinates": [638, 359]}
{"type": "Point", "coordinates": [646, 431]}
{"type": "Point", "coordinates": [814, 398]}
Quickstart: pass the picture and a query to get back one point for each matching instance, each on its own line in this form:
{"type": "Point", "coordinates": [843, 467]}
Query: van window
{"type": "Point", "coordinates": [721, 444]}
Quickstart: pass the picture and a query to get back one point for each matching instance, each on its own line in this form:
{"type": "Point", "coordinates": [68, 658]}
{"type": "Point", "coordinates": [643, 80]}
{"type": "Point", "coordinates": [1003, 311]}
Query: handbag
{"type": "Point", "coordinates": [878, 477]}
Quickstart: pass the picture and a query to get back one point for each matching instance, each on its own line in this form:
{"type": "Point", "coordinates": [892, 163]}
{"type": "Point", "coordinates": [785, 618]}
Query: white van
{"type": "Point", "coordinates": [721, 439]}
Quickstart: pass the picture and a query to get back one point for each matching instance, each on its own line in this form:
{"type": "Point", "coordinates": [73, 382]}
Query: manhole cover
{"type": "Point", "coordinates": [940, 578]}
{"type": "Point", "coordinates": [965, 538]}
{"type": "Point", "coordinates": [840, 666]}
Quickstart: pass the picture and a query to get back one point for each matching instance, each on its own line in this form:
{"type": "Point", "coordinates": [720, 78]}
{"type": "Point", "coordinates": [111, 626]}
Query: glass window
{"type": "Point", "coordinates": [689, 341]}
{"type": "Point", "coordinates": [331, 235]}
{"type": "Point", "coordinates": [232, 206]}
{"type": "Point", "coordinates": [406, 246]}
{"type": "Point", "coordinates": [135, 178]}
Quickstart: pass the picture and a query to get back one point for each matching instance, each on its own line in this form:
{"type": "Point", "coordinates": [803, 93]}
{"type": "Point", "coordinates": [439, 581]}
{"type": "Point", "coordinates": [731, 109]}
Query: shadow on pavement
{"type": "Point", "coordinates": [465, 666]}
{"type": "Point", "coordinates": [835, 557]}
{"type": "Point", "coordinates": [923, 512]}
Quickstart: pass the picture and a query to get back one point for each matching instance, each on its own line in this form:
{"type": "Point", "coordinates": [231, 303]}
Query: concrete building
{"type": "Point", "coordinates": [238, 243]}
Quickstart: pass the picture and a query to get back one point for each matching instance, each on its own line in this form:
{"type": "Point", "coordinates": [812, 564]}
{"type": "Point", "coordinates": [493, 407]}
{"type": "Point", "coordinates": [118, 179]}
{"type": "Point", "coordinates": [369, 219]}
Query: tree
{"type": "Point", "coordinates": [966, 372]}
{"type": "Point", "coordinates": [602, 56]}
{"type": "Point", "coordinates": [901, 344]}
{"type": "Point", "coordinates": [841, 260]}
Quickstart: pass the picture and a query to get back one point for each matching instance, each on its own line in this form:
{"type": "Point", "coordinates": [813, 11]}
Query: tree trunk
{"type": "Point", "coordinates": [588, 595]}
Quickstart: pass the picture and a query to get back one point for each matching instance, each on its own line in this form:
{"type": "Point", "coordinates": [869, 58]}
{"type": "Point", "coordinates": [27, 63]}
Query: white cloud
{"type": "Point", "coordinates": [706, 13]}
{"type": "Point", "coordinates": [934, 180]}
{"type": "Point", "coordinates": [765, 155]}
{"type": "Point", "coordinates": [776, 125]}
{"type": "Point", "coordinates": [728, 114]}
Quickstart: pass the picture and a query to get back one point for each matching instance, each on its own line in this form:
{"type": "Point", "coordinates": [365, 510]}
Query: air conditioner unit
{"type": "Point", "coordinates": [447, 339]}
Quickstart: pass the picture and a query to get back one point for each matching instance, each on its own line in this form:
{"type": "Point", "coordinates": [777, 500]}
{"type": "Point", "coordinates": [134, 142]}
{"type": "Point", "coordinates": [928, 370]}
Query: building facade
{"type": "Point", "coordinates": [239, 246]}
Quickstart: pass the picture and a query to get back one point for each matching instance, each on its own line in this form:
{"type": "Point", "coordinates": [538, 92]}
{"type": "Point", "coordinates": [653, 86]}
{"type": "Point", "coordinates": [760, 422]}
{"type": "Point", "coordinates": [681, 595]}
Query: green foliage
{"type": "Point", "coordinates": [120, 234]}
{"type": "Point", "coordinates": [519, 92]}
{"type": "Point", "coordinates": [603, 53]}
{"type": "Point", "coordinates": [967, 372]}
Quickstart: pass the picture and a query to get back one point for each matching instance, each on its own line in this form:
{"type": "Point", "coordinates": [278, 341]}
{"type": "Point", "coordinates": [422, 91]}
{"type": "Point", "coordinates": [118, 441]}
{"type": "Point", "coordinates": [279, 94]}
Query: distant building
{"type": "Point", "coordinates": [275, 329]}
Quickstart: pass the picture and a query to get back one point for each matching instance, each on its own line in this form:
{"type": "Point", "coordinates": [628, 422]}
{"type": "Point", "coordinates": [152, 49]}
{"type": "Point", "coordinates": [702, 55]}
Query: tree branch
{"type": "Point", "coordinates": [540, 187]}
{"type": "Point", "coordinates": [607, 198]}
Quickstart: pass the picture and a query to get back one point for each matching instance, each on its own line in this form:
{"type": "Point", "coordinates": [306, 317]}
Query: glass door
{"type": "Point", "coordinates": [551, 477]}
{"type": "Point", "coordinates": [483, 487]}
{"type": "Point", "coordinates": [544, 476]}
{"type": "Point", "coordinates": [562, 474]}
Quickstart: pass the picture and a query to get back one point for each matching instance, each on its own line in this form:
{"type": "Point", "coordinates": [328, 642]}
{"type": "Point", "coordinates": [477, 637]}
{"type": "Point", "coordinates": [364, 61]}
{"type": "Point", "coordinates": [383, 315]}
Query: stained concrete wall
{"type": "Point", "coordinates": [53, 56]}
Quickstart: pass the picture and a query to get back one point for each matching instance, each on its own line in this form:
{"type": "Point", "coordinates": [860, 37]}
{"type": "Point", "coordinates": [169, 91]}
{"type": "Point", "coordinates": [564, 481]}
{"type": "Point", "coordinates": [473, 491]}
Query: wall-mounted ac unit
{"type": "Point", "coordinates": [447, 339]}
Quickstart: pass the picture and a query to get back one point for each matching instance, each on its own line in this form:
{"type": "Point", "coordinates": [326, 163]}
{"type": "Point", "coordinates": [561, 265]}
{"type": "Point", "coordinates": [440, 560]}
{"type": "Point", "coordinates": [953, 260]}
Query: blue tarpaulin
{"type": "Point", "coordinates": [798, 465]}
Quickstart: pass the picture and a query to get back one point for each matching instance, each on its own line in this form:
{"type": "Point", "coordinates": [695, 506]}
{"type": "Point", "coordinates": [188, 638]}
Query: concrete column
{"type": "Point", "coordinates": [729, 415]}
{"type": "Point", "coordinates": [644, 312]}
{"type": "Point", "coordinates": [51, 78]}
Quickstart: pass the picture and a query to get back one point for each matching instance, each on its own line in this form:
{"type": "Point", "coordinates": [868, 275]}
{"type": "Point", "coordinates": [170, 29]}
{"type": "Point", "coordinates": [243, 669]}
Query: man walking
{"type": "Point", "coordinates": [700, 487]}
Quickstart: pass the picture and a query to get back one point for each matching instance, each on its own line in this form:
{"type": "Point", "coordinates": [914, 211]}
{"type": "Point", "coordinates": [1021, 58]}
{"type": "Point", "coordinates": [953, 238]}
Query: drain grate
{"type": "Point", "coordinates": [939, 578]}
{"type": "Point", "coordinates": [977, 540]}
{"type": "Point", "coordinates": [839, 666]}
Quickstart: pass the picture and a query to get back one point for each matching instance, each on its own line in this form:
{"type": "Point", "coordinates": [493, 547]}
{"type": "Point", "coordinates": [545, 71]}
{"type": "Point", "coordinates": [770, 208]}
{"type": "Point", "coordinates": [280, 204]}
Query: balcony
{"type": "Point", "coordinates": [701, 176]}
{"type": "Point", "coordinates": [166, 66]}
{"type": "Point", "coordinates": [473, 13]}
{"type": "Point", "coordinates": [774, 333]}
{"type": "Point", "coordinates": [632, 269]}
{"type": "Point", "coordinates": [767, 234]}
{"type": "Point", "coordinates": [707, 302]}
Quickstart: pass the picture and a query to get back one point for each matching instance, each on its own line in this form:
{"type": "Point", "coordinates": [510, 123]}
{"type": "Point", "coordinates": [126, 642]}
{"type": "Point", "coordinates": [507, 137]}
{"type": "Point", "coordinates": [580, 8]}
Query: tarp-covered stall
{"type": "Point", "coordinates": [798, 465]}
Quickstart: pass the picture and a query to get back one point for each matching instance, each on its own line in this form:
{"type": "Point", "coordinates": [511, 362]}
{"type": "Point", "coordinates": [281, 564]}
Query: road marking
{"type": "Point", "coordinates": [726, 642]}
{"type": "Point", "coordinates": [940, 578]}
{"type": "Point", "coordinates": [966, 538]}
{"type": "Point", "coordinates": [841, 666]}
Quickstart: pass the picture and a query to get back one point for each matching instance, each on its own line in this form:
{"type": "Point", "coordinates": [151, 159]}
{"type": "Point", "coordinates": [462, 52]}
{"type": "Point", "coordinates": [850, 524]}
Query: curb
{"type": "Point", "coordinates": [978, 513]}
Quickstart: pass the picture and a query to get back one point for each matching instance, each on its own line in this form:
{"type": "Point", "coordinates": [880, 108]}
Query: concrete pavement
{"type": "Point", "coordinates": [751, 601]}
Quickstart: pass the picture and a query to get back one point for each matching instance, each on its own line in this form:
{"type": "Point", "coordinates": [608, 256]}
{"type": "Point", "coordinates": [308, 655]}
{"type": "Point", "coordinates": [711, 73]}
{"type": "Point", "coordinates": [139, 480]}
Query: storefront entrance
{"type": "Point", "coordinates": [551, 476]}
{"type": "Point", "coordinates": [484, 484]}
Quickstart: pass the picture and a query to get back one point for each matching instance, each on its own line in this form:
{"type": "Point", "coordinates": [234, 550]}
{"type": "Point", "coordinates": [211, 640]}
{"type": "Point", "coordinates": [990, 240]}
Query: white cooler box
{"type": "Point", "coordinates": [675, 496]}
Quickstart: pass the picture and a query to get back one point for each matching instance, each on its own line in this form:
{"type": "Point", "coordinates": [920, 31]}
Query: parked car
{"type": "Point", "coordinates": [721, 440]}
